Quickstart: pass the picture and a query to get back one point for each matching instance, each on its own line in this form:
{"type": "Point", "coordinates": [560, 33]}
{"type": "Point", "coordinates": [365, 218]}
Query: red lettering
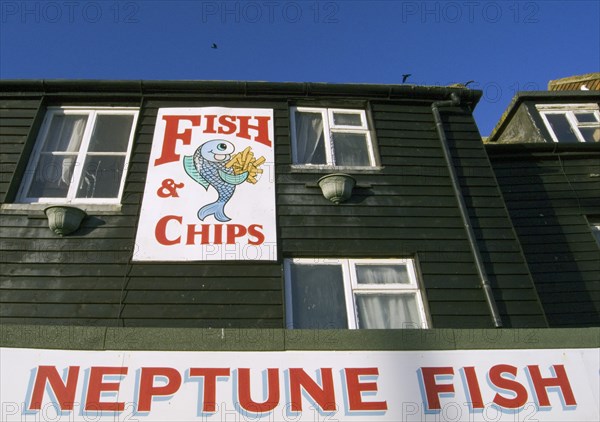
{"type": "Point", "coordinates": [432, 388]}
{"type": "Point", "coordinates": [262, 129]}
{"type": "Point", "coordinates": [255, 231]}
{"type": "Point", "coordinates": [499, 381]}
{"type": "Point", "coordinates": [245, 397]}
{"type": "Point", "coordinates": [210, 123]}
{"type": "Point", "coordinates": [172, 135]}
{"type": "Point", "coordinates": [97, 386]}
{"type": "Point", "coordinates": [561, 380]}
{"type": "Point", "coordinates": [474, 391]}
{"type": "Point", "coordinates": [63, 391]}
{"type": "Point", "coordinates": [160, 231]}
{"type": "Point", "coordinates": [323, 396]}
{"type": "Point", "coordinates": [356, 388]}
{"type": "Point", "coordinates": [234, 231]}
{"type": "Point", "coordinates": [204, 232]}
{"type": "Point", "coordinates": [210, 385]}
{"type": "Point", "coordinates": [147, 389]}
{"type": "Point", "coordinates": [228, 125]}
{"type": "Point", "coordinates": [218, 234]}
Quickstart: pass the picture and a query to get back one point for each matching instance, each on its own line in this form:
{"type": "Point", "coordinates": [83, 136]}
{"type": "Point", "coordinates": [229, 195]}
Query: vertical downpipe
{"type": "Point", "coordinates": [485, 283]}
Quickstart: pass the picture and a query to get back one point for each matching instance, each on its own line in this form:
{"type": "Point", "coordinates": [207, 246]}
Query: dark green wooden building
{"type": "Point", "coordinates": [404, 207]}
{"type": "Point", "coordinates": [447, 253]}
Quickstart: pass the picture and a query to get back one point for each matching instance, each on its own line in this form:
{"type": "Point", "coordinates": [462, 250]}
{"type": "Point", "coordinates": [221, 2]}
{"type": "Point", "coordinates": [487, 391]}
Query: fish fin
{"type": "Point", "coordinates": [216, 208]}
{"type": "Point", "coordinates": [233, 179]}
{"type": "Point", "coordinates": [190, 169]}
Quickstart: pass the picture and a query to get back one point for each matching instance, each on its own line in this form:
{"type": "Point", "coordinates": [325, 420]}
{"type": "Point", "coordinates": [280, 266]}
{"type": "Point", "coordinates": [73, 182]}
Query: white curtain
{"type": "Point", "coordinates": [387, 311]}
{"type": "Point", "coordinates": [309, 135]}
{"type": "Point", "coordinates": [70, 139]}
{"type": "Point", "coordinates": [382, 274]}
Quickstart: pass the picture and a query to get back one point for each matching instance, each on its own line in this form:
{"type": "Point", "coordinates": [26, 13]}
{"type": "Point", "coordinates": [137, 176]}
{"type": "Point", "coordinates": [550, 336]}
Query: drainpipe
{"type": "Point", "coordinates": [485, 283]}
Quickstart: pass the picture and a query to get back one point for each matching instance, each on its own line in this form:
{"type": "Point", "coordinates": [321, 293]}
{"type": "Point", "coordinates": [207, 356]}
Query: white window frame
{"type": "Point", "coordinates": [92, 113]}
{"type": "Point", "coordinates": [352, 287]}
{"type": "Point", "coordinates": [569, 111]}
{"type": "Point", "coordinates": [328, 128]}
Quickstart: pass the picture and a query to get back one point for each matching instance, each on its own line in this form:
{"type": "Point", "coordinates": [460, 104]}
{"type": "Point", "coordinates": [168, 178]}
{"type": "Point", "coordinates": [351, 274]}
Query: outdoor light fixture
{"type": "Point", "coordinates": [337, 187]}
{"type": "Point", "coordinates": [63, 220]}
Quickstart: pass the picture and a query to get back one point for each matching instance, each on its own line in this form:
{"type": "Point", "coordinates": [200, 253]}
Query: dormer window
{"type": "Point", "coordinates": [571, 123]}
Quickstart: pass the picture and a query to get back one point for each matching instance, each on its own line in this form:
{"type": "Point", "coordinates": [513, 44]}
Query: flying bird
{"type": "Point", "coordinates": [406, 76]}
{"type": "Point", "coordinates": [213, 46]}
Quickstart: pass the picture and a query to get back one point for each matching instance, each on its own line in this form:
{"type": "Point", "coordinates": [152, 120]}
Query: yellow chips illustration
{"type": "Point", "coordinates": [245, 161]}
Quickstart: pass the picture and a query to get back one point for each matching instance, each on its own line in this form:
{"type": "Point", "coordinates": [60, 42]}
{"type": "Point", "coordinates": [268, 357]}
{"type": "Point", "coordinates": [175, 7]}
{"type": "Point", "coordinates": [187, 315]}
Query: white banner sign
{"type": "Point", "coordinates": [210, 189]}
{"type": "Point", "coordinates": [487, 385]}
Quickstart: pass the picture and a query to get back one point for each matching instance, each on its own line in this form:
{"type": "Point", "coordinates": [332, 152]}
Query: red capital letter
{"type": "Point", "coordinates": [97, 386]}
{"type": "Point", "coordinates": [262, 129]}
{"type": "Point", "coordinates": [148, 390]}
{"type": "Point", "coordinates": [210, 385]}
{"type": "Point", "coordinates": [160, 231]}
{"type": "Point", "coordinates": [432, 388]}
{"type": "Point", "coordinates": [474, 391]}
{"type": "Point", "coordinates": [496, 379]}
{"type": "Point", "coordinates": [172, 134]}
{"type": "Point", "coordinates": [64, 392]}
{"type": "Point", "coordinates": [244, 392]}
{"type": "Point", "coordinates": [561, 380]}
{"type": "Point", "coordinates": [356, 388]}
{"type": "Point", "coordinates": [323, 396]}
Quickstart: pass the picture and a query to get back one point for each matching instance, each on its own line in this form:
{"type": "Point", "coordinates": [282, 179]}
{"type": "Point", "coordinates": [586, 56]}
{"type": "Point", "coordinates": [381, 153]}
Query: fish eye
{"type": "Point", "coordinates": [222, 147]}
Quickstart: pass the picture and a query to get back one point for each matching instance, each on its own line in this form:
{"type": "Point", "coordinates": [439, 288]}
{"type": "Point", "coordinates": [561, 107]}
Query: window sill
{"type": "Point", "coordinates": [298, 168]}
{"type": "Point", "coordinates": [37, 210]}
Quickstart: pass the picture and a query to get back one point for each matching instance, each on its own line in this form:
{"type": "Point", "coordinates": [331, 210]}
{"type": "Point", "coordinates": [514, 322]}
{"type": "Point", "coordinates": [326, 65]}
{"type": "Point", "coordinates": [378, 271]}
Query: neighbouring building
{"type": "Point", "coordinates": [189, 250]}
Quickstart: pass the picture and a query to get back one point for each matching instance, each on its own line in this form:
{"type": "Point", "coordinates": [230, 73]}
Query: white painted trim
{"type": "Point", "coordinates": [328, 129]}
{"type": "Point", "coordinates": [352, 288]}
{"type": "Point", "coordinates": [92, 114]}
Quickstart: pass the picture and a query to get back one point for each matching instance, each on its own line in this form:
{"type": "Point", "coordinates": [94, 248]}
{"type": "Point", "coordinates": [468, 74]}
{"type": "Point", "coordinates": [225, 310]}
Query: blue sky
{"type": "Point", "coordinates": [504, 46]}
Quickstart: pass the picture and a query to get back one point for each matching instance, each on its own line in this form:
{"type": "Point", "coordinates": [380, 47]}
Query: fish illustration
{"type": "Point", "coordinates": [207, 167]}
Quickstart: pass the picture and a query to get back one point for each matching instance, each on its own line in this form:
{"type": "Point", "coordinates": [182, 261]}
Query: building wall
{"type": "Point", "coordinates": [552, 193]}
{"type": "Point", "coordinates": [406, 208]}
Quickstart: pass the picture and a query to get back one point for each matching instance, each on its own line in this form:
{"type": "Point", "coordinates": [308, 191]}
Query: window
{"type": "Point", "coordinates": [595, 227]}
{"type": "Point", "coordinates": [353, 293]}
{"type": "Point", "coordinates": [80, 156]}
{"type": "Point", "coordinates": [331, 137]}
{"type": "Point", "coordinates": [572, 123]}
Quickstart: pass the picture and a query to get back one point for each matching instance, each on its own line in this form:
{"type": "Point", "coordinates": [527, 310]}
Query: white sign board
{"type": "Point", "coordinates": [467, 385]}
{"type": "Point", "coordinates": [210, 188]}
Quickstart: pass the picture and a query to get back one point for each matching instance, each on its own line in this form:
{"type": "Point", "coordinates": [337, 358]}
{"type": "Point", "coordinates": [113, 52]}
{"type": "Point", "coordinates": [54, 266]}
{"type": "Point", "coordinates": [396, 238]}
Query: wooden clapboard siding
{"type": "Point", "coordinates": [549, 195]}
{"type": "Point", "coordinates": [406, 208]}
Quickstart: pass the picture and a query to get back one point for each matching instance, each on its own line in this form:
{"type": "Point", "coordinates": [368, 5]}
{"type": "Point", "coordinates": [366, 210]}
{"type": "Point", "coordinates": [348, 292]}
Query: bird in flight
{"type": "Point", "coordinates": [405, 77]}
{"type": "Point", "coordinates": [213, 46]}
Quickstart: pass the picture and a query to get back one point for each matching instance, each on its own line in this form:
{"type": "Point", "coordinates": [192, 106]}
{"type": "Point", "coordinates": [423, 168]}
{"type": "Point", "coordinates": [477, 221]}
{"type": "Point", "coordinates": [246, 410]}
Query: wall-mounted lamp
{"type": "Point", "coordinates": [337, 187]}
{"type": "Point", "coordinates": [63, 220]}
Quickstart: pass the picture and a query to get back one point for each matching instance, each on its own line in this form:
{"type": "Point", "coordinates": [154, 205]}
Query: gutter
{"type": "Point", "coordinates": [485, 283]}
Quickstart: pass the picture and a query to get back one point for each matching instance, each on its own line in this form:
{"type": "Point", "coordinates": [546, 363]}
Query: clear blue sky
{"type": "Point", "coordinates": [504, 46]}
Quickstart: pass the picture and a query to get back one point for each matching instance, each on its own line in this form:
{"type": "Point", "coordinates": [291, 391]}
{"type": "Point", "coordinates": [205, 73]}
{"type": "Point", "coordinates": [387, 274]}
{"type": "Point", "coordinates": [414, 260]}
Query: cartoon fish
{"type": "Point", "coordinates": [207, 167]}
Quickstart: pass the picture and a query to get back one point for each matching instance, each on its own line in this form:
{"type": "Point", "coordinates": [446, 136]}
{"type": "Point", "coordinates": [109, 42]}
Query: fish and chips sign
{"type": "Point", "coordinates": [210, 188]}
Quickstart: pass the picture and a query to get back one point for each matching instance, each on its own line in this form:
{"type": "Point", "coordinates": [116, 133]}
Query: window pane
{"type": "Point", "coordinates": [52, 176]}
{"type": "Point", "coordinates": [562, 128]}
{"type": "Point", "coordinates": [65, 133]}
{"type": "Point", "coordinates": [318, 296]}
{"type": "Point", "coordinates": [586, 117]}
{"type": "Point", "coordinates": [310, 140]}
{"type": "Point", "coordinates": [350, 149]}
{"type": "Point", "coordinates": [347, 119]}
{"type": "Point", "coordinates": [111, 133]}
{"type": "Point", "coordinates": [382, 274]}
{"type": "Point", "coordinates": [101, 177]}
{"type": "Point", "coordinates": [590, 134]}
{"type": "Point", "coordinates": [387, 311]}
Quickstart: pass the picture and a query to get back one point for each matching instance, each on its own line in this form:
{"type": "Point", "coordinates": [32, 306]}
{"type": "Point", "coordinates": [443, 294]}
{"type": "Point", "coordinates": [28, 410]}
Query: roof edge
{"type": "Point", "coordinates": [246, 88]}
